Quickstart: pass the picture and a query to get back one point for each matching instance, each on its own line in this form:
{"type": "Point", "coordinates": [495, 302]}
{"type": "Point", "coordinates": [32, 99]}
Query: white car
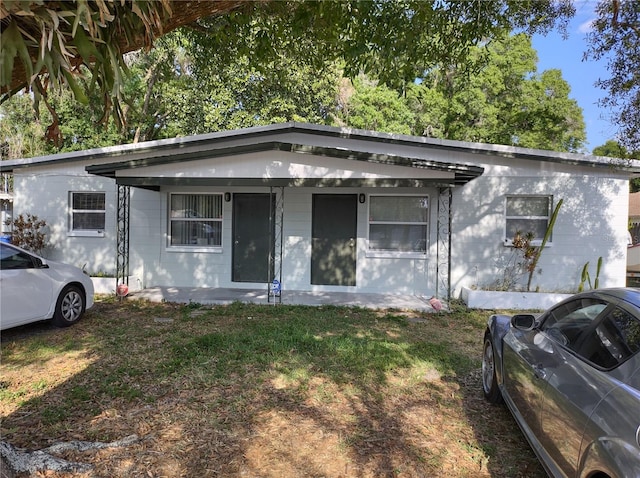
{"type": "Point", "coordinates": [33, 289]}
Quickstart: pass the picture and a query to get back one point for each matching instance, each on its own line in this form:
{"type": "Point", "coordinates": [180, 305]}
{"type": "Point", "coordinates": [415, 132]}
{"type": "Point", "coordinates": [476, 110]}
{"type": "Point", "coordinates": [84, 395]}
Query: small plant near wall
{"type": "Point", "coordinates": [586, 278]}
{"type": "Point", "coordinates": [27, 232]}
{"type": "Point", "coordinates": [513, 268]}
{"type": "Point", "coordinates": [524, 258]}
{"type": "Point", "coordinates": [532, 253]}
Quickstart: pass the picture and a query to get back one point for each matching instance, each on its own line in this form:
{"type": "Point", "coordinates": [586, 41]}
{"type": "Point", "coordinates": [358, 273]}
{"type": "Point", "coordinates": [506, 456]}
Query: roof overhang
{"type": "Point", "coordinates": [454, 174]}
{"type": "Point", "coordinates": [209, 145]}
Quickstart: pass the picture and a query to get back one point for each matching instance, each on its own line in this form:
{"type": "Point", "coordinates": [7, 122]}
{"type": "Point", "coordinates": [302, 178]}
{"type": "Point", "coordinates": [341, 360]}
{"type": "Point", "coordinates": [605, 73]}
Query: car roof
{"type": "Point", "coordinates": [627, 294]}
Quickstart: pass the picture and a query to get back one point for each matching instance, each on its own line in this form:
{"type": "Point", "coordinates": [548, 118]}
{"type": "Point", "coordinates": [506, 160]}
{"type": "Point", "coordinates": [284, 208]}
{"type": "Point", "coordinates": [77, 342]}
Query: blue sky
{"type": "Point", "coordinates": [566, 55]}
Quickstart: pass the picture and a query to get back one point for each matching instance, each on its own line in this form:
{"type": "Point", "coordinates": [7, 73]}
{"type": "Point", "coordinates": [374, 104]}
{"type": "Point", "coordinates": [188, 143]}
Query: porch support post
{"type": "Point", "coordinates": [443, 254]}
{"type": "Point", "coordinates": [276, 245]}
{"type": "Point", "coordinates": [122, 236]}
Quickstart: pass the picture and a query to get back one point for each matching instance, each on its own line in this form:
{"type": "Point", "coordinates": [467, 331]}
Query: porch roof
{"type": "Point", "coordinates": [453, 174]}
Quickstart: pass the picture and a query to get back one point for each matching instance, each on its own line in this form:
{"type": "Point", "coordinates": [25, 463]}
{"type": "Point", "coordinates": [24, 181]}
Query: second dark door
{"type": "Point", "coordinates": [252, 237]}
{"type": "Point", "coordinates": [333, 247]}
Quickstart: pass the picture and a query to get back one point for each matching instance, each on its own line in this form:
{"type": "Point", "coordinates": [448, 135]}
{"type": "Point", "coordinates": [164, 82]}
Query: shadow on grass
{"type": "Point", "coordinates": [261, 391]}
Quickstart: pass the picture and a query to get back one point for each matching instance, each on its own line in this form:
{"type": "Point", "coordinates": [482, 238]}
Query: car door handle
{"type": "Point", "coordinates": [539, 372]}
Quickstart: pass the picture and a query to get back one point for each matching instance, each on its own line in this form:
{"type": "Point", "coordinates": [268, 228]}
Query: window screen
{"type": "Point", "coordinates": [527, 214]}
{"type": "Point", "coordinates": [87, 211]}
{"type": "Point", "coordinates": [398, 223]}
{"type": "Point", "coordinates": [195, 220]}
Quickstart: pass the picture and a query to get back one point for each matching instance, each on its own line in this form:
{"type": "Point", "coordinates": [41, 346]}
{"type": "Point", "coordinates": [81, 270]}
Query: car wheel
{"type": "Point", "coordinates": [70, 306]}
{"type": "Point", "coordinates": [489, 379]}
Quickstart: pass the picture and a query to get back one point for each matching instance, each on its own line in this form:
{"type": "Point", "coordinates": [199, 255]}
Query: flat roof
{"type": "Point", "coordinates": [257, 134]}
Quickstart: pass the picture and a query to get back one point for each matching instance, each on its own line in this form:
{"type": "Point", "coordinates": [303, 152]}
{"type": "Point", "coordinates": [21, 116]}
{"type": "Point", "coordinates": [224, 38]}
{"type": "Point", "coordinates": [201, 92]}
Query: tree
{"type": "Point", "coordinates": [47, 43]}
{"type": "Point", "coordinates": [21, 135]}
{"type": "Point", "coordinates": [615, 36]}
{"type": "Point", "coordinates": [183, 87]}
{"type": "Point", "coordinates": [497, 98]}
{"type": "Point", "coordinates": [613, 149]}
{"type": "Point", "coordinates": [375, 107]}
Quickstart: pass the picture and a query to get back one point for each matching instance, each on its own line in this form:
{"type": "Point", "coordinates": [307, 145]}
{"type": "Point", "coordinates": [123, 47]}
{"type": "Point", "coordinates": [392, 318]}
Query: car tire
{"type": "Point", "coordinates": [489, 379]}
{"type": "Point", "coordinates": [69, 307]}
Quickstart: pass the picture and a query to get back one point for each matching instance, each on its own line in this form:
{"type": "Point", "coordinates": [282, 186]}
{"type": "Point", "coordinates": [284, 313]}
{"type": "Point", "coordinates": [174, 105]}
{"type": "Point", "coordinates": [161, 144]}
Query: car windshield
{"type": "Point", "coordinates": [11, 258]}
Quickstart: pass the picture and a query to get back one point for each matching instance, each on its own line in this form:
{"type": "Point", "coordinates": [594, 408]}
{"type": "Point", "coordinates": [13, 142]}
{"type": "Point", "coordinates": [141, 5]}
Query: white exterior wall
{"type": "Point", "coordinates": [159, 264]}
{"type": "Point", "coordinates": [374, 274]}
{"type": "Point", "coordinates": [44, 192]}
{"type": "Point", "coordinates": [592, 222]}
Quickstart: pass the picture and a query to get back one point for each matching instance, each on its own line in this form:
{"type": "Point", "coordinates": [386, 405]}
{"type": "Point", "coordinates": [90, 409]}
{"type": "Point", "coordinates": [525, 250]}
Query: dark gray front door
{"type": "Point", "coordinates": [252, 237]}
{"type": "Point", "coordinates": [333, 248]}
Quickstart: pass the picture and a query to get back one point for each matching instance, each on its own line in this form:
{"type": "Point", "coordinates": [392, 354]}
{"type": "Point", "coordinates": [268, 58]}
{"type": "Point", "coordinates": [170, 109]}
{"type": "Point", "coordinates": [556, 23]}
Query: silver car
{"type": "Point", "coordinates": [571, 379]}
{"type": "Point", "coordinates": [33, 289]}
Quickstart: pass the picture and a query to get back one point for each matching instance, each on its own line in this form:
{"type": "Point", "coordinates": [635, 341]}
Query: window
{"type": "Point", "coordinates": [605, 335]}
{"type": "Point", "coordinates": [87, 212]}
{"type": "Point", "coordinates": [398, 224]}
{"type": "Point", "coordinates": [614, 339]}
{"type": "Point", "coordinates": [195, 220]}
{"type": "Point", "coordinates": [527, 214]}
{"type": "Point", "coordinates": [13, 259]}
{"type": "Point", "coordinates": [567, 323]}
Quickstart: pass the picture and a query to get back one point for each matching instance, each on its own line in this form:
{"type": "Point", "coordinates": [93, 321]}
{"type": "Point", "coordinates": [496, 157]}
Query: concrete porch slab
{"type": "Point", "coordinates": [207, 296]}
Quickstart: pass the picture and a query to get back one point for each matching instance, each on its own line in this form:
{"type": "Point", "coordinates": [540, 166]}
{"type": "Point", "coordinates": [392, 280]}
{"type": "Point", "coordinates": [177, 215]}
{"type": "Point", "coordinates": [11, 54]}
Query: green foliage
{"type": "Point", "coordinates": [614, 37]}
{"type": "Point", "coordinates": [27, 232]}
{"type": "Point", "coordinates": [376, 107]}
{"type": "Point", "coordinates": [613, 149]}
{"type": "Point", "coordinates": [585, 278]}
{"type": "Point", "coordinates": [538, 250]}
{"type": "Point", "coordinates": [500, 98]}
{"type": "Point", "coordinates": [188, 85]}
{"type": "Point", "coordinates": [21, 133]}
{"type": "Point", "coordinates": [45, 43]}
{"type": "Point", "coordinates": [49, 42]}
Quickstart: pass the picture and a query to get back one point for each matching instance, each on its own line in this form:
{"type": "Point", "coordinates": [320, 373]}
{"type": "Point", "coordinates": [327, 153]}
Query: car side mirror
{"type": "Point", "coordinates": [40, 264]}
{"type": "Point", "coordinates": [523, 322]}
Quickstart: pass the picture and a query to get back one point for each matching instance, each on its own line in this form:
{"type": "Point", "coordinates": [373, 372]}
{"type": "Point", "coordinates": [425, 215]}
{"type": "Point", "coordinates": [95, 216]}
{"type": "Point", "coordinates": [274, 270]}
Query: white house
{"type": "Point", "coordinates": [328, 209]}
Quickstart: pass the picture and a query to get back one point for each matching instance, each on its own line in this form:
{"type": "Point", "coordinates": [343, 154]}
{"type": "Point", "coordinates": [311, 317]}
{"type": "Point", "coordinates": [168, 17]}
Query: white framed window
{"type": "Point", "coordinates": [398, 224]}
{"type": "Point", "coordinates": [527, 214]}
{"type": "Point", "coordinates": [195, 220]}
{"type": "Point", "coordinates": [87, 211]}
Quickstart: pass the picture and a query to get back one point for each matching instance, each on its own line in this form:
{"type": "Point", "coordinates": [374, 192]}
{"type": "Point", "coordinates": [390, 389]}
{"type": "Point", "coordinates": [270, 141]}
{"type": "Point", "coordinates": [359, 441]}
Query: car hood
{"type": "Point", "coordinates": [64, 272]}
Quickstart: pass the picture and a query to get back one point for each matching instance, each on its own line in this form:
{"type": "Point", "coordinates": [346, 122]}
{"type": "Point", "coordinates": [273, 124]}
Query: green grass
{"type": "Point", "coordinates": [356, 373]}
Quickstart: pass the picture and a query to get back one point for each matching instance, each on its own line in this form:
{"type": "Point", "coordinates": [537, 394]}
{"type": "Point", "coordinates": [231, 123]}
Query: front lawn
{"type": "Point", "coordinates": [260, 391]}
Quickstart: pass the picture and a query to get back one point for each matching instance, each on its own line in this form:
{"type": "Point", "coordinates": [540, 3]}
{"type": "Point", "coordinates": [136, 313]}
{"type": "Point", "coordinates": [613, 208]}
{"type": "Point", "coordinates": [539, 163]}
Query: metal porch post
{"type": "Point", "coordinates": [122, 236]}
{"type": "Point", "coordinates": [274, 287]}
{"type": "Point", "coordinates": [443, 259]}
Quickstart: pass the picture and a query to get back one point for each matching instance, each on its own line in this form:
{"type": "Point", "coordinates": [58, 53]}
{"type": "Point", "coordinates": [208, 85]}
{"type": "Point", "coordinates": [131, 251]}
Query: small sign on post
{"type": "Point", "coordinates": [275, 287]}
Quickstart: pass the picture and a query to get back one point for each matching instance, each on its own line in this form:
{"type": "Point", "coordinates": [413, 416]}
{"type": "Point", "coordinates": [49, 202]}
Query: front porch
{"type": "Point", "coordinates": [210, 296]}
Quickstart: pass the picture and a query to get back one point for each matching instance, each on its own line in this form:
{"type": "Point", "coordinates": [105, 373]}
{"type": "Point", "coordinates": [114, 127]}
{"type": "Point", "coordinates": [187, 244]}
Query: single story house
{"type": "Point", "coordinates": [302, 207]}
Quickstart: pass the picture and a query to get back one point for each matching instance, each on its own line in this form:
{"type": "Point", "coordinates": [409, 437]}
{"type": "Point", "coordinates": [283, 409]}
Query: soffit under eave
{"type": "Point", "coordinates": [155, 183]}
{"type": "Point", "coordinates": [117, 168]}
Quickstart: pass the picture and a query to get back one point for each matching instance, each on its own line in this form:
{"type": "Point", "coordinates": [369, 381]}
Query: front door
{"type": "Point", "coordinates": [253, 228]}
{"type": "Point", "coordinates": [333, 248]}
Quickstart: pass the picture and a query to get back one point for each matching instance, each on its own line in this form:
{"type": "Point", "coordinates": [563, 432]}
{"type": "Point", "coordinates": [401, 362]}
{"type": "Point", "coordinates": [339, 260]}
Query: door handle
{"type": "Point", "coordinates": [352, 242]}
{"type": "Point", "coordinates": [539, 372]}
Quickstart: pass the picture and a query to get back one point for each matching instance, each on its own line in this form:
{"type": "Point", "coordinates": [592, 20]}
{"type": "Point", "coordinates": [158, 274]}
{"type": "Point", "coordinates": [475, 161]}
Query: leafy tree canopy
{"type": "Point", "coordinates": [47, 43]}
{"type": "Point", "coordinates": [498, 97]}
{"type": "Point", "coordinates": [184, 86]}
{"type": "Point", "coordinates": [613, 149]}
{"type": "Point", "coordinates": [615, 37]}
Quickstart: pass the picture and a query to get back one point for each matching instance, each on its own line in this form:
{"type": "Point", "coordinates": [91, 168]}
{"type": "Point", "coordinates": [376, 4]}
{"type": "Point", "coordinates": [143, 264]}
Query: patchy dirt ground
{"type": "Point", "coordinates": [294, 416]}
